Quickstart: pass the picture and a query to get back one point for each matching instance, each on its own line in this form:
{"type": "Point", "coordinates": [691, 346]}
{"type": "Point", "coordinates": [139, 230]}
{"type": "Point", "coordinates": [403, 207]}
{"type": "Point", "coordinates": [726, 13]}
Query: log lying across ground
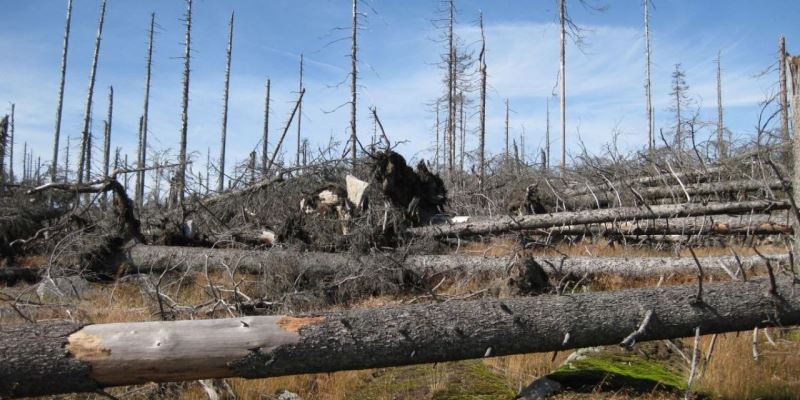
{"type": "Point", "coordinates": [665, 227]}
{"type": "Point", "coordinates": [62, 357]}
{"type": "Point", "coordinates": [146, 259]}
{"type": "Point", "coordinates": [531, 222]}
{"type": "Point", "coordinates": [678, 192]}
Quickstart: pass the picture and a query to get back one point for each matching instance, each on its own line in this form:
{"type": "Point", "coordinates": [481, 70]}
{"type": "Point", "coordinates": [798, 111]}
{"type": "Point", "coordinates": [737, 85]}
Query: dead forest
{"type": "Point", "coordinates": [360, 272]}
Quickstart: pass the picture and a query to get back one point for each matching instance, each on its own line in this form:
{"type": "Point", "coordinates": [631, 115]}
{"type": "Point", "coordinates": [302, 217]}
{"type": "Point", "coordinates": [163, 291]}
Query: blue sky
{"type": "Point", "coordinates": [398, 69]}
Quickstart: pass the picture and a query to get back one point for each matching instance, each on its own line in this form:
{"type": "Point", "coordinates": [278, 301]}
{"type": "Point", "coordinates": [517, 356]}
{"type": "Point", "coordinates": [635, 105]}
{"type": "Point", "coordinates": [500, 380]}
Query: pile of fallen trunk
{"type": "Point", "coordinates": [532, 222]}
{"type": "Point", "coordinates": [62, 357]}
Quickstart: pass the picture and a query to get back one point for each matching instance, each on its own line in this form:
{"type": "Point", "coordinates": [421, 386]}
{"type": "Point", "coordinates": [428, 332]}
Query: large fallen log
{"type": "Point", "coordinates": [674, 192]}
{"type": "Point", "coordinates": [148, 259]}
{"type": "Point", "coordinates": [530, 222]}
{"type": "Point", "coordinates": [664, 227]}
{"type": "Point", "coordinates": [62, 357]}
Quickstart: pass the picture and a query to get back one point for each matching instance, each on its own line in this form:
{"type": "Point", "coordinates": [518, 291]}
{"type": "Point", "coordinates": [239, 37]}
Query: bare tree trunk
{"type": "Point", "coordinates": [181, 173]}
{"type": "Point", "coordinates": [647, 84]}
{"type": "Point", "coordinates": [438, 144]}
{"type": "Point", "coordinates": [353, 82]}
{"type": "Point", "coordinates": [107, 138]}
{"type": "Point", "coordinates": [794, 64]}
{"type": "Point", "coordinates": [10, 145]}
{"type": "Point", "coordinates": [221, 178]}
{"type": "Point", "coordinates": [299, 113]}
{"type": "Point", "coordinates": [482, 150]}
{"type": "Point", "coordinates": [547, 139]}
{"type": "Point", "coordinates": [463, 138]}
{"type": "Point", "coordinates": [265, 138]}
{"type": "Point", "coordinates": [563, 98]}
{"type": "Point", "coordinates": [84, 160]}
{"type": "Point", "coordinates": [506, 155]}
{"type": "Point", "coordinates": [66, 159]}
{"type": "Point", "coordinates": [3, 141]}
{"type": "Point", "coordinates": [451, 89]}
{"type": "Point", "coordinates": [141, 160]}
{"type": "Point", "coordinates": [721, 150]}
{"type": "Point", "coordinates": [24, 161]}
{"type": "Point", "coordinates": [531, 222]}
{"type": "Point", "coordinates": [63, 357]}
{"type": "Point", "coordinates": [59, 107]}
{"type": "Point", "coordinates": [782, 94]}
{"type": "Point", "coordinates": [286, 129]}
{"type": "Point", "coordinates": [157, 259]}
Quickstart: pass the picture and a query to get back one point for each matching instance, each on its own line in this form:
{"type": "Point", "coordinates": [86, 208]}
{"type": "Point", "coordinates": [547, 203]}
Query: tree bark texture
{"type": "Point", "coordinates": [155, 259]}
{"type": "Point", "coordinates": [531, 222]}
{"type": "Point", "coordinates": [52, 358]}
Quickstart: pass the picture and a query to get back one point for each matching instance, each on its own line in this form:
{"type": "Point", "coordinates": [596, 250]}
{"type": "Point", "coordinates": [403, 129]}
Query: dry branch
{"type": "Point", "coordinates": [531, 222]}
{"type": "Point", "coordinates": [62, 357]}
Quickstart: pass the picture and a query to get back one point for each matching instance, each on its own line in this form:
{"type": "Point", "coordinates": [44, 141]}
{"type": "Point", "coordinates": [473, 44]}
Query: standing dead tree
{"type": "Point", "coordinates": [679, 90]}
{"type": "Point", "coordinates": [180, 178]}
{"type": "Point", "coordinates": [782, 92]}
{"type": "Point", "coordinates": [59, 107]}
{"type": "Point", "coordinates": [563, 87]}
{"type": "Point", "coordinates": [107, 139]}
{"type": "Point", "coordinates": [10, 145]}
{"type": "Point", "coordinates": [141, 159]}
{"type": "Point", "coordinates": [228, 51]}
{"type": "Point", "coordinates": [299, 115]}
{"type": "Point", "coordinates": [482, 146]}
{"type": "Point", "coordinates": [84, 158]}
{"type": "Point", "coordinates": [721, 148]}
{"type": "Point", "coordinates": [265, 137]}
{"type": "Point", "coordinates": [63, 357]}
{"type": "Point", "coordinates": [353, 83]}
{"type": "Point", "coordinates": [647, 82]}
{"type": "Point", "coordinates": [3, 141]}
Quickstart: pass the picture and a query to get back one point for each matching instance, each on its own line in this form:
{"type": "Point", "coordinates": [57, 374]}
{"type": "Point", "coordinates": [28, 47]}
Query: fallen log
{"type": "Point", "coordinates": [150, 259]}
{"type": "Point", "coordinates": [674, 192]}
{"type": "Point", "coordinates": [663, 227]}
{"type": "Point", "coordinates": [49, 358]}
{"type": "Point", "coordinates": [530, 222]}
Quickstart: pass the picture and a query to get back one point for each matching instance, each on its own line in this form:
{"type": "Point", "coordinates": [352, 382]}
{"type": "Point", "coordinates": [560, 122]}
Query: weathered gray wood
{"type": "Point", "coordinates": [72, 359]}
{"type": "Point", "coordinates": [145, 259]}
{"type": "Point", "coordinates": [530, 222]}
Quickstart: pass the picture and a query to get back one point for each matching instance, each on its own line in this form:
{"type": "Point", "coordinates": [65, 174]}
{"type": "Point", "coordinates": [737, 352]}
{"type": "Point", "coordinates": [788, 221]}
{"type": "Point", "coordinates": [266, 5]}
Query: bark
{"type": "Point", "coordinates": [156, 259]}
{"type": "Point", "coordinates": [223, 137]}
{"type": "Point", "coordinates": [265, 138]}
{"type": "Point", "coordinates": [59, 107]}
{"type": "Point", "coordinates": [563, 97]}
{"type": "Point", "coordinates": [299, 113]}
{"type": "Point", "coordinates": [86, 148]}
{"type": "Point", "coordinates": [795, 72]}
{"type": "Point", "coordinates": [782, 93]}
{"type": "Point", "coordinates": [671, 227]}
{"type": "Point", "coordinates": [53, 358]}
{"type": "Point", "coordinates": [531, 222]}
{"type": "Point", "coordinates": [482, 151]}
{"type": "Point", "coordinates": [107, 138]}
{"type": "Point", "coordinates": [180, 180]}
{"type": "Point", "coordinates": [353, 87]}
{"type": "Point", "coordinates": [725, 188]}
{"type": "Point", "coordinates": [141, 160]}
{"type": "Point", "coordinates": [647, 85]}
{"type": "Point", "coordinates": [3, 141]}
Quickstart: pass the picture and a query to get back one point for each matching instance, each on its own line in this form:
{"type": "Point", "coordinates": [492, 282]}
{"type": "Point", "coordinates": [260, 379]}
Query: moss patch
{"type": "Point", "coordinates": [645, 369]}
{"type": "Point", "coordinates": [464, 380]}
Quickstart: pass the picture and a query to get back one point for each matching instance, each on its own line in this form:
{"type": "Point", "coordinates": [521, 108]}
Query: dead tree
{"type": "Point", "coordinates": [63, 357]}
{"type": "Point", "coordinates": [3, 141]}
{"type": "Point", "coordinates": [482, 146]}
{"type": "Point", "coordinates": [679, 89]}
{"type": "Point", "coordinates": [782, 92]}
{"type": "Point", "coordinates": [85, 152]}
{"type": "Point", "coordinates": [299, 113]}
{"type": "Point", "coordinates": [563, 87]}
{"type": "Point", "coordinates": [530, 222]}
{"type": "Point", "coordinates": [141, 160]}
{"type": "Point", "coordinates": [794, 65]}
{"type": "Point", "coordinates": [107, 138]}
{"type": "Point", "coordinates": [59, 107]}
{"type": "Point", "coordinates": [10, 145]}
{"type": "Point", "coordinates": [286, 129]}
{"type": "Point", "coordinates": [265, 137]}
{"type": "Point", "coordinates": [721, 150]}
{"type": "Point", "coordinates": [647, 84]}
{"type": "Point", "coordinates": [221, 177]}
{"type": "Point", "coordinates": [546, 161]}
{"type": "Point", "coordinates": [353, 83]}
{"type": "Point", "coordinates": [507, 152]}
{"type": "Point", "coordinates": [180, 180]}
